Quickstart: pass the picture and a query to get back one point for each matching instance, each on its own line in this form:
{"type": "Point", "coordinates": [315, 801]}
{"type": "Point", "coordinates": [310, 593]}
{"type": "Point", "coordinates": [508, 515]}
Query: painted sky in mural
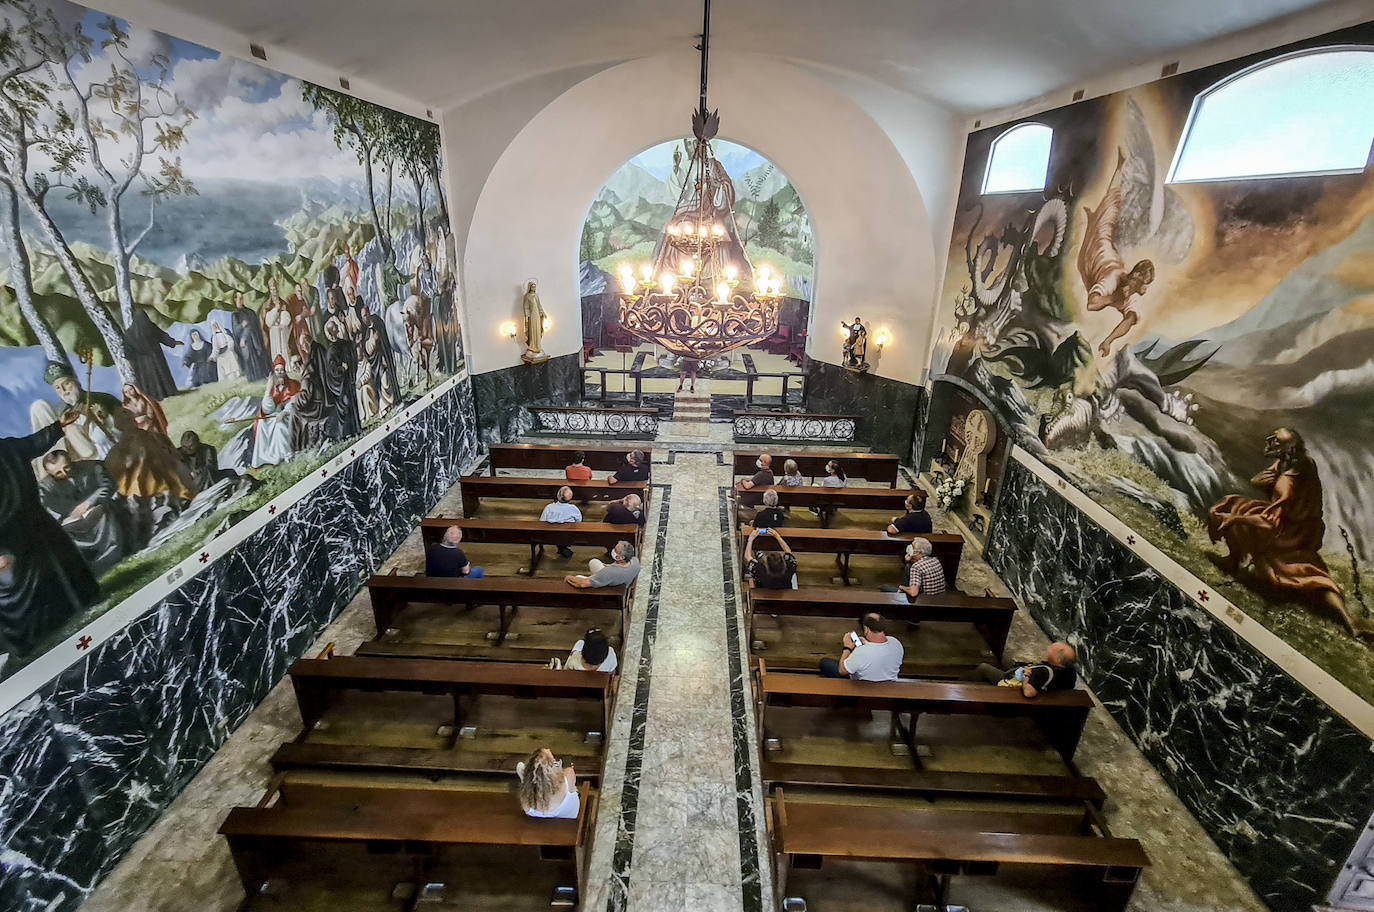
{"type": "Point", "coordinates": [1195, 356]}
{"type": "Point", "coordinates": [213, 277]}
{"type": "Point", "coordinates": [629, 213]}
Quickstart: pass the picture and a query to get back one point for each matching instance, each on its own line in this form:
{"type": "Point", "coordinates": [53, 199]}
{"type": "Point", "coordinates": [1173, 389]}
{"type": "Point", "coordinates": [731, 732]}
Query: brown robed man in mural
{"type": "Point", "coordinates": [1282, 536]}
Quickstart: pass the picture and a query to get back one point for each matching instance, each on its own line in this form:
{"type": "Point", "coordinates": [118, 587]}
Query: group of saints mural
{"type": "Point", "coordinates": [165, 400]}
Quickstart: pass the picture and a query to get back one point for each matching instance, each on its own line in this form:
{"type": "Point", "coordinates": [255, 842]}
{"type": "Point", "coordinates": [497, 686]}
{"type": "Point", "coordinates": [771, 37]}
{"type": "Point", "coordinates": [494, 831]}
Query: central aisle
{"type": "Point", "coordinates": [687, 831]}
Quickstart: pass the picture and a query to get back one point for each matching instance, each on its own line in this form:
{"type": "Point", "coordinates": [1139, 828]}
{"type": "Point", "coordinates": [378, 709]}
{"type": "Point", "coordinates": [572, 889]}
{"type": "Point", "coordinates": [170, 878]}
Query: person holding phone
{"type": "Point", "coordinates": [770, 569]}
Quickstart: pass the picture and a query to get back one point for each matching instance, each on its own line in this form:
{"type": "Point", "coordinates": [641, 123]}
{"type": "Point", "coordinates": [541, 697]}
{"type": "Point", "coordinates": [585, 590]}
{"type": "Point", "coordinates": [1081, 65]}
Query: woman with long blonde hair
{"type": "Point", "coordinates": [547, 789]}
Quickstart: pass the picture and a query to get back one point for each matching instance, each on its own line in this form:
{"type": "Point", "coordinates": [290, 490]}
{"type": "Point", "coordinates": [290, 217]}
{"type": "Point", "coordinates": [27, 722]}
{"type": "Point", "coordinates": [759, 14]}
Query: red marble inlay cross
{"type": "Point", "coordinates": [1202, 594]}
{"type": "Point", "coordinates": [83, 643]}
{"type": "Point", "coordinates": [204, 556]}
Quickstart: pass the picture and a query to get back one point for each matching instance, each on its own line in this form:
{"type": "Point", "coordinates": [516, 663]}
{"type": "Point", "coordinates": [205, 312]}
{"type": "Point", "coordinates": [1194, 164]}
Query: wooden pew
{"type": "Point", "coordinates": [828, 500]}
{"type": "Point", "coordinates": [933, 784]}
{"type": "Point", "coordinates": [475, 487]}
{"type": "Point", "coordinates": [320, 683]}
{"type": "Point", "coordinates": [990, 616]}
{"type": "Point", "coordinates": [391, 593]}
{"type": "Point", "coordinates": [1059, 714]}
{"type": "Point", "coordinates": [877, 467]}
{"type": "Point", "coordinates": [948, 842]}
{"type": "Point", "coordinates": [844, 542]}
{"type": "Point", "coordinates": [417, 821]}
{"type": "Point", "coordinates": [533, 533]}
{"type": "Point", "coordinates": [555, 457]}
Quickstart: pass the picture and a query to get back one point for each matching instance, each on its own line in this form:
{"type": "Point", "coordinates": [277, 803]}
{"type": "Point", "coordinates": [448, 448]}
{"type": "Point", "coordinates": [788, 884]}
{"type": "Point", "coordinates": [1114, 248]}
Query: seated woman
{"type": "Point", "coordinates": [546, 788]}
{"type": "Point", "coordinates": [835, 477]}
{"type": "Point", "coordinates": [791, 475]}
{"type": "Point", "coordinates": [591, 653]}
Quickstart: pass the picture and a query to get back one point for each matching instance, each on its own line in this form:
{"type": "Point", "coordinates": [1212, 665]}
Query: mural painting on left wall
{"type": "Point", "coordinates": [212, 279]}
{"type": "Point", "coordinates": [1193, 356]}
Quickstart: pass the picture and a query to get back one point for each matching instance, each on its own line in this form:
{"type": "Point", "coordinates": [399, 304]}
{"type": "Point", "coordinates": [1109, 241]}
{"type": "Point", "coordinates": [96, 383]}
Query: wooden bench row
{"type": "Point", "coordinates": [843, 543]}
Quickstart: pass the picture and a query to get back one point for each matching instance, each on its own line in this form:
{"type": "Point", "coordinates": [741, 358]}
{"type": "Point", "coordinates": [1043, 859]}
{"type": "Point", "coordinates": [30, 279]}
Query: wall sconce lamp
{"type": "Point", "coordinates": [508, 329]}
{"type": "Point", "coordinates": [545, 323]}
{"type": "Point", "coordinates": [882, 337]}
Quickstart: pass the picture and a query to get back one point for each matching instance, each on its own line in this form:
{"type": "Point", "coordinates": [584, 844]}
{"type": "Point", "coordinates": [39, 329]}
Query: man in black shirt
{"type": "Point", "coordinates": [915, 519]}
{"type": "Point", "coordinates": [445, 558]}
{"type": "Point", "coordinates": [771, 569]}
{"type": "Point", "coordinates": [636, 468]}
{"type": "Point", "coordinates": [1056, 672]}
{"type": "Point", "coordinates": [763, 478]}
{"type": "Point", "coordinates": [628, 510]}
{"type": "Point", "coordinates": [770, 516]}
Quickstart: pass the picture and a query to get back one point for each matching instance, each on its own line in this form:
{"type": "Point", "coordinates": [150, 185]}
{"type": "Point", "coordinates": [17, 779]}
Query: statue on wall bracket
{"type": "Point", "coordinates": [536, 321]}
{"type": "Point", "coordinates": [855, 350]}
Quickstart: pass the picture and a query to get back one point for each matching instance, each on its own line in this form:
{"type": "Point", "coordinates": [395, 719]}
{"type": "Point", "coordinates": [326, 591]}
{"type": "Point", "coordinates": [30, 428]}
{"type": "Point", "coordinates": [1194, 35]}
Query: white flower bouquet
{"type": "Point", "coordinates": [949, 492]}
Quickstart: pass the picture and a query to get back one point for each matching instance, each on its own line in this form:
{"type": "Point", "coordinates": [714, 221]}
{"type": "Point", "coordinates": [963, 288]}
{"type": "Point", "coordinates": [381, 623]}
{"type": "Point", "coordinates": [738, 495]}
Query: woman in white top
{"type": "Point", "coordinates": [591, 653]}
{"type": "Point", "coordinates": [791, 474]}
{"type": "Point", "coordinates": [834, 476]}
{"type": "Point", "coordinates": [546, 788]}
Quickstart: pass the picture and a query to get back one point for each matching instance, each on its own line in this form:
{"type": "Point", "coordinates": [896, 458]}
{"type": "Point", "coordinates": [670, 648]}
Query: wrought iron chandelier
{"type": "Point", "coordinates": [700, 296]}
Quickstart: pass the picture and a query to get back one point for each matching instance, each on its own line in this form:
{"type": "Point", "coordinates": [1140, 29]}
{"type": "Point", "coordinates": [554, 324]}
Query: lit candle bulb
{"type": "Point", "coordinates": [687, 267]}
{"type": "Point", "coordinates": [731, 273]}
{"type": "Point", "coordinates": [647, 272]}
{"type": "Point", "coordinates": [627, 281]}
{"type": "Point", "coordinates": [764, 273]}
{"type": "Point", "coordinates": [701, 231]}
{"type": "Point", "coordinates": [723, 292]}
{"type": "Point", "coordinates": [717, 230]}
{"type": "Point", "coordinates": [667, 280]}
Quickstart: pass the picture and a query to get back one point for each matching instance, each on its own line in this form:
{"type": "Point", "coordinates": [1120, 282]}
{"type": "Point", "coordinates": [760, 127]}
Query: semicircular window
{"type": "Point", "coordinates": [1019, 159]}
{"type": "Point", "coordinates": [1311, 112]}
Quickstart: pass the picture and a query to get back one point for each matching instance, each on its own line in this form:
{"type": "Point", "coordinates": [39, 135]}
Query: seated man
{"type": "Point", "coordinates": [202, 462]}
{"type": "Point", "coordinates": [591, 653]}
{"type": "Point", "coordinates": [763, 478]}
{"type": "Point", "coordinates": [770, 516]}
{"type": "Point", "coordinates": [1056, 672]}
{"type": "Point", "coordinates": [445, 558]}
{"type": "Point", "coordinates": [628, 510]}
{"type": "Point", "coordinates": [81, 496]}
{"type": "Point", "coordinates": [925, 574]}
{"type": "Point", "coordinates": [623, 571]}
{"type": "Point", "coordinates": [915, 519]}
{"type": "Point", "coordinates": [562, 510]}
{"type": "Point", "coordinates": [636, 468]}
{"type": "Point", "coordinates": [875, 656]}
{"type": "Point", "coordinates": [771, 569]}
{"type": "Point", "coordinates": [578, 471]}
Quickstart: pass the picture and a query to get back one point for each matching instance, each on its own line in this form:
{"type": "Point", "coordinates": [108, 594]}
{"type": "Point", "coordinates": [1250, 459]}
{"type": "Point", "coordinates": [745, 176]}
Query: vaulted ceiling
{"type": "Point", "coordinates": [967, 55]}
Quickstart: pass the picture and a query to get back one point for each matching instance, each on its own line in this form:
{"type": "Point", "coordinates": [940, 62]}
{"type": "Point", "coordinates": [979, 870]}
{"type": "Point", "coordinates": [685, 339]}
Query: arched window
{"type": "Point", "coordinates": [1310, 112]}
{"type": "Point", "coordinates": [1019, 159]}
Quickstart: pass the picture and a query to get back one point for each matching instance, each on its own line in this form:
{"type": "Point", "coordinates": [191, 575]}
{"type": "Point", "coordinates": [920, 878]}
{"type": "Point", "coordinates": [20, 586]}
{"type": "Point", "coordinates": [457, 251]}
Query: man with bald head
{"type": "Point", "coordinates": [562, 510]}
{"type": "Point", "coordinates": [1055, 672]}
{"type": "Point", "coordinates": [629, 510]}
{"type": "Point", "coordinates": [445, 558]}
{"type": "Point", "coordinates": [763, 478]}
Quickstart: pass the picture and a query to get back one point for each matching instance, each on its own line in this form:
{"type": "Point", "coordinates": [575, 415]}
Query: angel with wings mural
{"type": "Point", "coordinates": [1101, 267]}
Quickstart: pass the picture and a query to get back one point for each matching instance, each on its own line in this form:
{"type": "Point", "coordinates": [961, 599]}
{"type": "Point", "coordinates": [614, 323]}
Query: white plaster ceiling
{"type": "Point", "coordinates": [967, 55]}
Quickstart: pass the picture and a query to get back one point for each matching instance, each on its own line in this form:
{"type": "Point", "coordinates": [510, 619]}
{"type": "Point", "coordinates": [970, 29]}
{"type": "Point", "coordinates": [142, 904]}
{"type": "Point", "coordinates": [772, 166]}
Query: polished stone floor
{"type": "Point", "coordinates": [679, 824]}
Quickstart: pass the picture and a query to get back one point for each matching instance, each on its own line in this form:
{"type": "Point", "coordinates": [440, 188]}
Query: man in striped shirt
{"type": "Point", "coordinates": [925, 574]}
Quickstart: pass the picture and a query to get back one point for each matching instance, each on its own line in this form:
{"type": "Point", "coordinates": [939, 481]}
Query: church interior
{"type": "Point", "coordinates": [749, 455]}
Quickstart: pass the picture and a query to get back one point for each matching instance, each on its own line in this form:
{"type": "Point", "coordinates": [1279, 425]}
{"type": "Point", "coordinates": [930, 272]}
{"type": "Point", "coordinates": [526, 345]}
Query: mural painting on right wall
{"type": "Point", "coordinates": [1198, 357]}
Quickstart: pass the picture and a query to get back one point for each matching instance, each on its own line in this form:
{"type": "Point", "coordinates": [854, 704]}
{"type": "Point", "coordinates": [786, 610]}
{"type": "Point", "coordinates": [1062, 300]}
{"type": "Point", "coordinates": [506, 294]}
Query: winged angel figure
{"type": "Point", "coordinates": [1103, 270]}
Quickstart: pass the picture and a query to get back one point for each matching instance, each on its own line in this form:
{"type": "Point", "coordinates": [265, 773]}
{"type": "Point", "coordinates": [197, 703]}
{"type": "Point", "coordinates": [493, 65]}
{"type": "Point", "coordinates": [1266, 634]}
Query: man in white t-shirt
{"type": "Point", "coordinates": [874, 657]}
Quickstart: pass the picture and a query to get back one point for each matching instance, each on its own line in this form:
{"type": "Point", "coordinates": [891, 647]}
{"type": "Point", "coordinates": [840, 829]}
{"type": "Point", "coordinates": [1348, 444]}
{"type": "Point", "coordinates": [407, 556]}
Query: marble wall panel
{"type": "Point", "coordinates": [501, 395]}
{"type": "Point", "coordinates": [89, 761]}
{"type": "Point", "coordinates": [1281, 782]}
{"type": "Point", "coordinates": [889, 409]}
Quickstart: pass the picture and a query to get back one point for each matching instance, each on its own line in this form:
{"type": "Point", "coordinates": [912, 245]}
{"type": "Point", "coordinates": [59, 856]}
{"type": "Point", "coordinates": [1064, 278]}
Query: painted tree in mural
{"type": "Point", "coordinates": [415, 146]}
{"type": "Point", "coordinates": [770, 227]}
{"type": "Point", "coordinates": [35, 116]}
{"type": "Point", "coordinates": [357, 126]}
{"type": "Point", "coordinates": [123, 119]}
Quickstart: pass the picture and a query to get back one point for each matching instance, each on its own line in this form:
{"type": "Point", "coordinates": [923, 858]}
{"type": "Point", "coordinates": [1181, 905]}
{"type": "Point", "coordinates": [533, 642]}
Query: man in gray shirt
{"type": "Point", "coordinates": [622, 571]}
{"type": "Point", "coordinates": [562, 510]}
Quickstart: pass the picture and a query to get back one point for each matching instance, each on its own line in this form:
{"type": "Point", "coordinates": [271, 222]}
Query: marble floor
{"type": "Point", "coordinates": [679, 825]}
